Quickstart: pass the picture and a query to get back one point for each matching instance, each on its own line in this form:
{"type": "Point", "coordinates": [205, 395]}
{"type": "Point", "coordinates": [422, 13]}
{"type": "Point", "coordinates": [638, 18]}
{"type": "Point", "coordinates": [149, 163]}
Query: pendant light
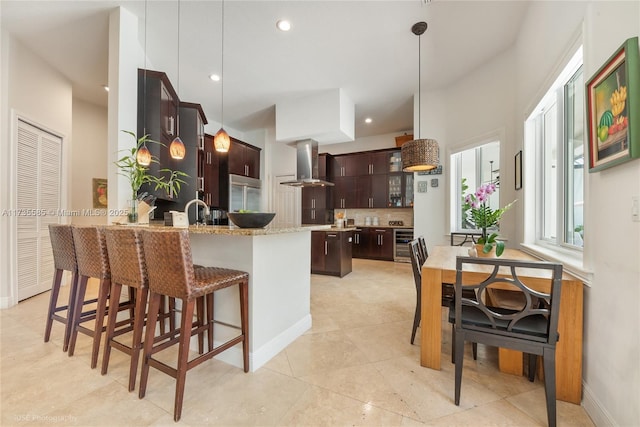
{"type": "Point", "coordinates": [419, 154]}
{"type": "Point", "coordinates": [143, 155]}
{"type": "Point", "coordinates": [221, 141]}
{"type": "Point", "coordinates": [177, 149]}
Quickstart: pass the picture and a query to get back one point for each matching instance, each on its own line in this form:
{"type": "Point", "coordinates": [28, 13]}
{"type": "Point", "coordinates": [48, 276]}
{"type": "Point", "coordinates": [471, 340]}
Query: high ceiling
{"type": "Point", "coordinates": [364, 47]}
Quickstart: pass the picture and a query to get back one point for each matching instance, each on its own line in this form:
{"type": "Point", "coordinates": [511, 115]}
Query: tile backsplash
{"type": "Point", "coordinates": [384, 215]}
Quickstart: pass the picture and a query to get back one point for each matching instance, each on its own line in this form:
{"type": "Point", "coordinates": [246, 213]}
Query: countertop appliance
{"type": "Point", "coordinates": [245, 193]}
{"type": "Point", "coordinates": [401, 239]}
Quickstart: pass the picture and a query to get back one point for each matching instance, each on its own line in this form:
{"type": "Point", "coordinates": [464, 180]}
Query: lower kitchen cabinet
{"type": "Point", "coordinates": [331, 252]}
{"type": "Point", "coordinates": [373, 243]}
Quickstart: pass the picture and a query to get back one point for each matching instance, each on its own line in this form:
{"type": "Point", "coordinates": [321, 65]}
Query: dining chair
{"type": "Point", "coordinates": [532, 328]}
{"type": "Point", "coordinates": [171, 273]}
{"type": "Point", "coordinates": [417, 261]}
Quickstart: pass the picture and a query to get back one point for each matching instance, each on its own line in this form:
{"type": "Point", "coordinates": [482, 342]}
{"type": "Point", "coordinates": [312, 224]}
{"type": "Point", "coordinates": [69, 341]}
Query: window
{"type": "Point", "coordinates": [470, 169]}
{"type": "Point", "coordinates": [554, 132]}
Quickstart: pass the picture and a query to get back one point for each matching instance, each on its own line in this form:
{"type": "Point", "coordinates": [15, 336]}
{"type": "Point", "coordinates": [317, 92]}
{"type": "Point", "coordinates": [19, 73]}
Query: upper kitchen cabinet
{"type": "Point", "coordinates": [191, 121]}
{"type": "Point", "coordinates": [244, 159]}
{"type": "Point", "coordinates": [157, 117]}
{"type": "Point", "coordinates": [210, 173]}
{"type": "Point", "coordinates": [372, 163]}
{"type": "Point", "coordinates": [344, 165]}
{"type": "Point", "coordinates": [400, 190]}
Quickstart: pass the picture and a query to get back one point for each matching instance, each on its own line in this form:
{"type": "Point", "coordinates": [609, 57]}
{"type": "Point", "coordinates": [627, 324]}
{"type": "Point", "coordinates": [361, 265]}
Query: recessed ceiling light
{"type": "Point", "coordinates": [215, 77]}
{"type": "Point", "coordinates": [105, 87]}
{"type": "Point", "coordinates": [283, 25]}
{"type": "Point", "coordinates": [368, 120]}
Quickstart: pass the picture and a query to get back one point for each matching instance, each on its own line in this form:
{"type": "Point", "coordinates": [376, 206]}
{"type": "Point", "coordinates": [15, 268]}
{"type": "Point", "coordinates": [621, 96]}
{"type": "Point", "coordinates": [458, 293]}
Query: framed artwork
{"type": "Point", "coordinates": [99, 193]}
{"type": "Point", "coordinates": [613, 109]}
{"type": "Point", "coordinates": [518, 170]}
{"type": "Point", "coordinates": [434, 171]}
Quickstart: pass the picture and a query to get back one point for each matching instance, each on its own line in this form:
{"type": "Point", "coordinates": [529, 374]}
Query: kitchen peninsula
{"type": "Point", "coordinates": [278, 262]}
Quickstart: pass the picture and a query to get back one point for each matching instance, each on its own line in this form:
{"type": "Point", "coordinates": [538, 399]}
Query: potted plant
{"type": "Point", "coordinates": [170, 181]}
{"type": "Point", "coordinates": [482, 217]}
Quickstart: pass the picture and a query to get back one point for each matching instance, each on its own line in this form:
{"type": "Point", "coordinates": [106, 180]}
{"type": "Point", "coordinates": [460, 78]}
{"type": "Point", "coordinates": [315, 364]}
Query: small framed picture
{"type": "Point", "coordinates": [100, 196]}
{"type": "Point", "coordinates": [434, 182]}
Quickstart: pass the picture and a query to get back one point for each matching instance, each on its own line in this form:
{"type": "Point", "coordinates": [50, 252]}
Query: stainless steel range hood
{"type": "Point", "coordinates": [307, 165]}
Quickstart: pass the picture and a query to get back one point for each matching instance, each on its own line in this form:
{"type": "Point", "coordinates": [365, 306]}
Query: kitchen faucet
{"type": "Point", "coordinates": [200, 202]}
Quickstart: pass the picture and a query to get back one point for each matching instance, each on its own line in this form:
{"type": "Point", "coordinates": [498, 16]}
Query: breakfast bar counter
{"type": "Point", "coordinates": [278, 262]}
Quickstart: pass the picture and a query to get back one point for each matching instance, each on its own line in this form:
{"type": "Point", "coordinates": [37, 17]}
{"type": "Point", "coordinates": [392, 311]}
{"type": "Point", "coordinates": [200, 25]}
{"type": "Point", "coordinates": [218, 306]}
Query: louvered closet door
{"type": "Point", "coordinates": [39, 156]}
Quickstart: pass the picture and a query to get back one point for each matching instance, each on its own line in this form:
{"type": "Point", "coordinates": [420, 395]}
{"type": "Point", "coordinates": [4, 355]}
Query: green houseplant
{"type": "Point", "coordinates": [482, 217]}
{"type": "Point", "coordinates": [170, 180]}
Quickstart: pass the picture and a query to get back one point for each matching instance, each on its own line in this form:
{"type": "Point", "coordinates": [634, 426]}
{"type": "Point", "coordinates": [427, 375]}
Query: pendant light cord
{"type": "Point", "coordinates": [178, 76]}
{"type": "Point", "coordinates": [222, 70]}
{"type": "Point", "coordinates": [144, 89]}
{"type": "Point", "coordinates": [419, 87]}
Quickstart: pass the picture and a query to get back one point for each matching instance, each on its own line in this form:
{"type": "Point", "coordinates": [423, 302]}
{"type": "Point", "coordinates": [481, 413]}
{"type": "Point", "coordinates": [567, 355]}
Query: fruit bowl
{"type": "Point", "coordinates": [251, 219]}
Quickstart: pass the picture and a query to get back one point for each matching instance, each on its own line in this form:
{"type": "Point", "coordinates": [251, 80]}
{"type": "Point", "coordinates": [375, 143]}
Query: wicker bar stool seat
{"type": "Point", "coordinates": [64, 259]}
{"type": "Point", "coordinates": [171, 273]}
{"type": "Point", "coordinates": [93, 261]}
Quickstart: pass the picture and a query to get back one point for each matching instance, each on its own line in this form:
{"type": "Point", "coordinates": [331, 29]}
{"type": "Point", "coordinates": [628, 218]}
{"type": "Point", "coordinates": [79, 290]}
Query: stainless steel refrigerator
{"type": "Point", "coordinates": [244, 193]}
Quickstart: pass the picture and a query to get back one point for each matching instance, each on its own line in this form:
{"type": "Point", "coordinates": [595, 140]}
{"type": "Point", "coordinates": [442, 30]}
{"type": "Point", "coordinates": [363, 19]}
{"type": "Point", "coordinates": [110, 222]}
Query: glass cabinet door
{"type": "Point", "coordinates": [395, 191]}
{"type": "Point", "coordinates": [408, 190]}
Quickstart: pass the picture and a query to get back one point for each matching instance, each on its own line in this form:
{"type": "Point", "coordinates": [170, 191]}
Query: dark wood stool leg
{"type": "Point", "coordinates": [116, 289]}
{"type": "Point", "coordinates": [53, 301]}
{"type": "Point", "coordinates": [244, 322]}
{"type": "Point", "coordinates": [200, 316]}
{"type": "Point", "coordinates": [183, 355]}
{"type": "Point", "coordinates": [136, 344]}
{"type": "Point", "coordinates": [103, 297]}
{"type": "Point", "coordinates": [71, 310]}
{"type": "Point", "coordinates": [154, 306]}
{"type": "Point", "coordinates": [77, 313]}
{"type": "Point", "coordinates": [210, 302]}
{"type": "Point", "coordinates": [172, 313]}
{"type": "Point", "coordinates": [164, 313]}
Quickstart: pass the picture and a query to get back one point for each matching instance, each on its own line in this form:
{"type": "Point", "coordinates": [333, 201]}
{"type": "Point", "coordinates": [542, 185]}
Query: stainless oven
{"type": "Point", "coordinates": [401, 239]}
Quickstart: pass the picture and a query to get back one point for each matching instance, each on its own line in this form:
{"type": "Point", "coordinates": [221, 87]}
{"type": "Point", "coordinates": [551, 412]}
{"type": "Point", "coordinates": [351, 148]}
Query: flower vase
{"type": "Point", "coordinates": [132, 216]}
{"type": "Point", "coordinates": [481, 254]}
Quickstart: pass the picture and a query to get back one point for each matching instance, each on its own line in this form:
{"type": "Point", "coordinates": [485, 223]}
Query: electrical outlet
{"type": "Point", "coordinates": [635, 209]}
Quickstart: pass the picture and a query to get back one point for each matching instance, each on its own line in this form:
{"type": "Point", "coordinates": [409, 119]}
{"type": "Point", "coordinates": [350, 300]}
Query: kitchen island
{"type": "Point", "coordinates": [278, 262]}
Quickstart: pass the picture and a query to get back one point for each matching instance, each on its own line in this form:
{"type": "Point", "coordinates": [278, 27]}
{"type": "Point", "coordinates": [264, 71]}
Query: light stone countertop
{"type": "Point", "coordinates": [237, 231]}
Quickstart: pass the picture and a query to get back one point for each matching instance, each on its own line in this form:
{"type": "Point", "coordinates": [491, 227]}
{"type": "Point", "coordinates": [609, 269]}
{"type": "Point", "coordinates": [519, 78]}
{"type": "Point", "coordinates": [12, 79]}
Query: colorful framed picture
{"type": "Point", "coordinates": [613, 109]}
{"type": "Point", "coordinates": [99, 193]}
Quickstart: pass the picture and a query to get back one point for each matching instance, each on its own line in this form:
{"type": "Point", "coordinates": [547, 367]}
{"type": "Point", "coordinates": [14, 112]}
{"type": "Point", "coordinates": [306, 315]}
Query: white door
{"type": "Point", "coordinates": [286, 202]}
{"type": "Point", "coordinates": [38, 163]}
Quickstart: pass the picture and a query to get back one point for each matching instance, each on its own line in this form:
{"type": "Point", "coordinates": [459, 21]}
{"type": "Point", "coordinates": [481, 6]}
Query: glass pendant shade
{"type": "Point", "coordinates": [177, 149]}
{"type": "Point", "coordinates": [221, 141]}
{"type": "Point", "coordinates": [143, 156]}
{"type": "Point", "coordinates": [420, 155]}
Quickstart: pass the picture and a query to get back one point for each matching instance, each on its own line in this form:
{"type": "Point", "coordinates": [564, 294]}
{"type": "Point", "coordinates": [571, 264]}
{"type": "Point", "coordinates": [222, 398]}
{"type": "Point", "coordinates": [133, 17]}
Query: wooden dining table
{"type": "Point", "coordinates": [440, 267]}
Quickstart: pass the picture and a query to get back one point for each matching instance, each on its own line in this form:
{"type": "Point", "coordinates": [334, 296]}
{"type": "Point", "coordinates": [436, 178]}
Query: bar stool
{"type": "Point", "coordinates": [171, 273]}
{"type": "Point", "coordinates": [93, 261]}
{"type": "Point", "coordinates": [64, 259]}
{"type": "Point", "coordinates": [128, 268]}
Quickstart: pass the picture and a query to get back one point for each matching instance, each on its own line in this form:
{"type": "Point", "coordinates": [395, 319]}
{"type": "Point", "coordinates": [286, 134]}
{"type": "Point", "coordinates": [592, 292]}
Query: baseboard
{"type": "Point", "coordinates": [258, 357]}
{"type": "Point", "coordinates": [7, 302]}
{"type": "Point", "coordinates": [594, 408]}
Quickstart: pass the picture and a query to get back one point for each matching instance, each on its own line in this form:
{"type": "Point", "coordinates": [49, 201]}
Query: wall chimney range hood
{"type": "Point", "coordinates": [307, 165]}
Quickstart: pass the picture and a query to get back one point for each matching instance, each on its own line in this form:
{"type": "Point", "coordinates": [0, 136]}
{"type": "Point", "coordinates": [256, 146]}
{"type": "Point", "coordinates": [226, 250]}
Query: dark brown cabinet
{"type": "Point", "coordinates": [400, 190]}
{"type": "Point", "coordinates": [191, 121]}
{"type": "Point", "coordinates": [244, 159]}
{"type": "Point", "coordinates": [371, 191]}
{"type": "Point", "coordinates": [344, 192]}
{"type": "Point", "coordinates": [317, 205]}
{"type": "Point", "coordinates": [373, 243]}
{"type": "Point", "coordinates": [210, 173]}
{"type": "Point", "coordinates": [157, 116]}
{"type": "Point", "coordinates": [373, 163]}
{"type": "Point", "coordinates": [331, 252]}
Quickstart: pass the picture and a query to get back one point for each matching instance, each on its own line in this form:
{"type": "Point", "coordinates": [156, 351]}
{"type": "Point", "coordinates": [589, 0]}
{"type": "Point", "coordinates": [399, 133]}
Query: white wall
{"type": "Point", "coordinates": [514, 82]}
{"type": "Point", "coordinates": [88, 160]}
{"type": "Point", "coordinates": [368, 143]}
{"type": "Point", "coordinates": [38, 93]}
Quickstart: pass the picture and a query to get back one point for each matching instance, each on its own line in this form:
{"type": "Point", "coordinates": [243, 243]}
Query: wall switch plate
{"type": "Point", "coordinates": [635, 209]}
{"type": "Point", "coordinates": [423, 186]}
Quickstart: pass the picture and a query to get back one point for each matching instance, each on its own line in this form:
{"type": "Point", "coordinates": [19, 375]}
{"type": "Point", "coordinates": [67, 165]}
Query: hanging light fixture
{"type": "Point", "coordinates": [420, 154]}
{"type": "Point", "coordinates": [143, 155]}
{"type": "Point", "coordinates": [177, 149]}
{"type": "Point", "coordinates": [221, 141]}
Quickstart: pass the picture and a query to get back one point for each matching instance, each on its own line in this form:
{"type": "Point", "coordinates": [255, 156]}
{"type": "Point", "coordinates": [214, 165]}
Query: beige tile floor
{"type": "Point", "coordinates": [354, 367]}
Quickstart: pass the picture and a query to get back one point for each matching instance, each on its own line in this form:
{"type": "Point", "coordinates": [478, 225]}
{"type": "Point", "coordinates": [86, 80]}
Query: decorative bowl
{"type": "Point", "coordinates": [251, 219]}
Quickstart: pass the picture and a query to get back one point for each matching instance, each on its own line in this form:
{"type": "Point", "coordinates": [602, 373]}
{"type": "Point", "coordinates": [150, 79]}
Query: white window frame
{"type": "Point", "coordinates": [455, 205]}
